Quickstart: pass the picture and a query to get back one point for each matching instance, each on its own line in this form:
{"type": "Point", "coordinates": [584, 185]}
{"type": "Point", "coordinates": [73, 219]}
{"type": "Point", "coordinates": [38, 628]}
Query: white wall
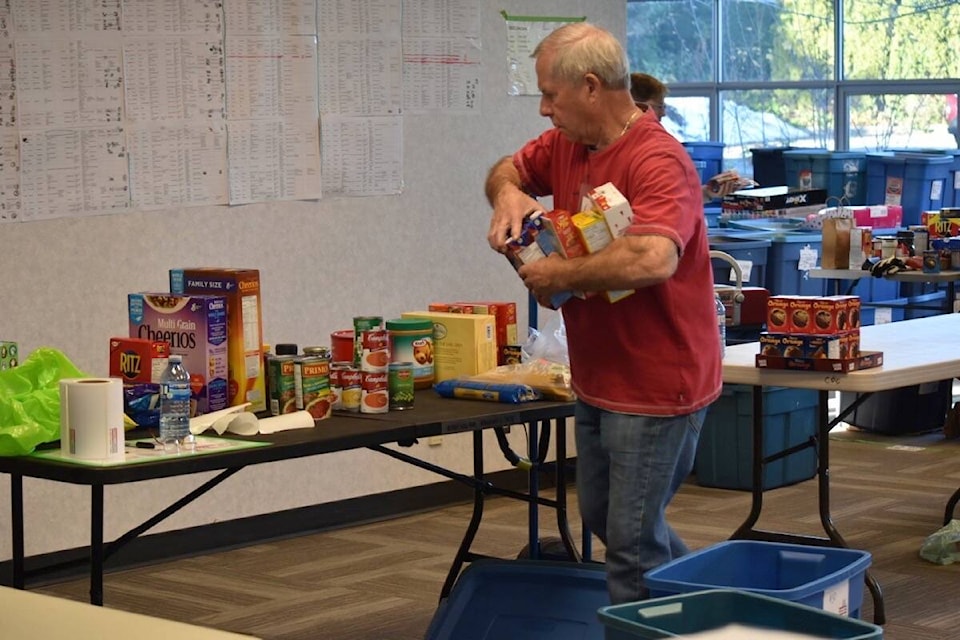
{"type": "Point", "coordinates": [65, 284]}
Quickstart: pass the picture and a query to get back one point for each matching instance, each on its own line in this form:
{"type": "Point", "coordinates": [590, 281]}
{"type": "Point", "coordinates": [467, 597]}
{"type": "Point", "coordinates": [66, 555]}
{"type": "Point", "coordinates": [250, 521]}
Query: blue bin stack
{"type": "Point", "coordinates": [769, 169]}
{"type": "Point", "coordinates": [752, 250]}
{"type": "Point", "coordinates": [841, 173]}
{"type": "Point", "coordinates": [916, 181]}
{"type": "Point", "coordinates": [707, 158]}
{"type": "Point", "coordinates": [820, 577]}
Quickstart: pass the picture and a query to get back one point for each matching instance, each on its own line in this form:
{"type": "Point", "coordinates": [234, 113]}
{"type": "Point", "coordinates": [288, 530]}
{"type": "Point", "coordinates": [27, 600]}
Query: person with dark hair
{"type": "Point", "coordinates": [650, 93]}
{"type": "Point", "coordinates": [644, 368]}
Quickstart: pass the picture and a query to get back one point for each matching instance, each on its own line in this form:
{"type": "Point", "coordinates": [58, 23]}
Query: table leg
{"type": "Point", "coordinates": [96, 544]}
{"type": "Point", "coordinates": [16, 530]}
{"type": "Point", "coordinates": [533, 509]}
{"type": "Point", "coordinates": [563, 525]}
{"type": "Point", "coordinates": [756, 492]}
{"type": "Point", "coordinates": [951, 505]}
{"type": "Point", "coordinates": [463, 551]}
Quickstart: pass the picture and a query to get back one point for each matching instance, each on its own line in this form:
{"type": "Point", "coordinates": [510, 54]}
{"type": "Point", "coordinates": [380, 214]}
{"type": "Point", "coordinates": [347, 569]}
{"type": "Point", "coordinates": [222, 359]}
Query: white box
{"type": "Point", "coordinates": [607, 200]}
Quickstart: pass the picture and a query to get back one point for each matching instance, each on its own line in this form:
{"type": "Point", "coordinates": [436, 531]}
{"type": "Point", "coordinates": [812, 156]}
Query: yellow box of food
{"type": "Point", "coordinates": [463, 344]}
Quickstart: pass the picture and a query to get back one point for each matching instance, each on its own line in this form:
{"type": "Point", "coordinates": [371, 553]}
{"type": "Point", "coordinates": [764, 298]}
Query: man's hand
{"type": "Point", "coordinates": [545, 277]}
{"type": "Point", "coordinates": [510, 204]}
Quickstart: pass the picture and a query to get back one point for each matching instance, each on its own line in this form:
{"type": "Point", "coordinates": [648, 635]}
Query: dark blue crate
{"type": "Point", "coordinates": [707, 158]}
{"type": "Point", "coordinates": [752, 250]}
{"type": "Point", "coordinates": [768, 166]}
{"type": "Point", "coordinates": [725, 451]}
{"type": "Point", "coordinates": [705, 611]}
{"type": "Point", "coordinates": [916, 181]}
{"type": "Point", "coordinates": [529, 599]}
{"type": "Point", "coordinates": [841, 173]}
{"type": "Point", "coordinates": [783, 261]}
{"type": "Point", "coordinates": [821, 577]}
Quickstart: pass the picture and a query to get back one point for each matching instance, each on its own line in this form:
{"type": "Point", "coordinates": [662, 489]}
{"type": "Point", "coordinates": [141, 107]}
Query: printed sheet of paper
{"type": "Point", "coordinates": [172, 17]}
{"type": "Point", "coordinates": [360, 61]}
{"type": "Point", "coordinates": [174, 78]}
{"type": "Point", "coordinates": [524, 33]}
{"type": "Point", "coordinates": [274, 160]}
{"type": "Point", "coordinates": [271, 76]}
{"type": "Point", "coordinates": [291, 17]}
{"type": "Point", "coordinates": [9, 175]}
{"type": "Point", "coordinates": [68, 172]}
{"type": "Point", "coordinates": [362, 155]}
{"type": "Point", "coordinates": [71, 16]}
{"type": "Point", "coordinates": [177, 164]}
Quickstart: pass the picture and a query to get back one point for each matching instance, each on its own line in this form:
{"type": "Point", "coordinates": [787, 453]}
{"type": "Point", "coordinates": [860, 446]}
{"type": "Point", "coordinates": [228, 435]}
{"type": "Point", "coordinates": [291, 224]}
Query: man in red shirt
{"type": "Point", "coordinates": [646, 367]}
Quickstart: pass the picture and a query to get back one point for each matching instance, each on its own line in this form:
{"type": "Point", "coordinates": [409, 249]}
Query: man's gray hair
{"type": "Point", "coordinates": [582, 48]}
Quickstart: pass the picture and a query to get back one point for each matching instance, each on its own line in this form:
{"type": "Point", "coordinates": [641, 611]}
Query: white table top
{"type": "Point", "coordinates": [36, 616]}
{"type": "Point", "coordinates": [914, 352]}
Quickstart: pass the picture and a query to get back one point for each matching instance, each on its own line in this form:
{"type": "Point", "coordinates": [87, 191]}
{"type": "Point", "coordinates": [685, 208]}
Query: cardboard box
{"type": "Point", "coordinates": [505, 315]}
{"type": "Point", "coordinates": [556, 227]}
{"type": "Point", "coordinates": [241, 288]}
{"type": "Point", "coordinates": [463, 344]}
{"type": "Point", "coordinates": [613, 206]}
{"type": "Point", "coordinates": [195, 326]}
{"type": "Point", "coordinates": [527, 249]}
{"type": "Point", "coordinates": [942, 224]}
{"type": "Point", "coordinates": [768, 198]}
{"type": "Point", "coordinates": [9, 355]}
{"type": "Point", "coordinates": [137, 360]}
{"type": "Point", "coordinates": [594, 233]}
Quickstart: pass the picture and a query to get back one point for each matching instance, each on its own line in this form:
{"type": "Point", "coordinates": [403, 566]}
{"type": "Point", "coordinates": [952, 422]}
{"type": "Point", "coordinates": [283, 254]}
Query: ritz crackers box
{"type": "Point", "coordinates": [195, 327]}
{"type": "Point", "coordinates": [241, 288]}
{"type": "Point", "coordinates": [464, 344]}
{"type": "Point", "coordinates": [138, 360]}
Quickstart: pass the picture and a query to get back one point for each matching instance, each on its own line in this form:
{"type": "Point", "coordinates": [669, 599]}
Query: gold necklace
{"type": "Point", "coordinates": [629, 122]}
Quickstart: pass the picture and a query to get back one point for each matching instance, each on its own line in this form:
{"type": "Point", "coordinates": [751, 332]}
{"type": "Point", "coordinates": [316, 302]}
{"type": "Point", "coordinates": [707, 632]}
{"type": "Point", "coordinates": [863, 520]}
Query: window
{"type": "Point", "coordinates": [861, 75]}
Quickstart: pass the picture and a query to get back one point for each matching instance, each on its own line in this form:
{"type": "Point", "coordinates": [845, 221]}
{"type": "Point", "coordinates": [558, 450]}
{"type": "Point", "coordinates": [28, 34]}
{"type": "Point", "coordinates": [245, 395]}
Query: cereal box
{"type": "Point", "coordinates": [9, 355]}
{"type": "Point", "coordinates": [528, 248]}
{"type": "Point", "coordinates": [505, 314]}
{"type": "Point", "coordinates": [195, 327]}
{"type": "Point", "coordinates": [464, 344]}
{"type": "Point", "coordinates": [137, 360]}
{"type": "Point", "coordinates": [613, 206]}
{"type": "Point", "coordinates": [557, 227]}
{"type": "Point", "coordinates": [241, 287]}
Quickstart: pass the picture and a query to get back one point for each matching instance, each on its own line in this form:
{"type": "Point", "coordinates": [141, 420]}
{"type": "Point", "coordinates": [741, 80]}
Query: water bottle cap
{"type": "Point", "coordinates": [176, 358]}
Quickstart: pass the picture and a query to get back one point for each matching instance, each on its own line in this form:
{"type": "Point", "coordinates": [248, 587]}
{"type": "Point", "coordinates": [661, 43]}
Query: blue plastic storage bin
{"type": "Point", "coordinates": [869, 314]}
{"type": "Point", "coordinates": [822, 577]}
{"type": "Point", "coordinates": [712, 216]}
{"type": "Point", "coordinates": [725, 450]}
{"type": "Point", "coordinates": [783, 260]}
{"type": "Point", "coordinates": [916, 181]}
{"type": "Point", "coordinates": [951, 198]}
{"type": "Point", "coordinates": [841, 173]}
{"type": "Point", "coordinates": [710, 610]}
{"type": "Point", "coordinates": [752, 250]}
{"type": "Point", "coordinates": [707, 158]}
{"type": "Point", "coordinates": [534, 600]}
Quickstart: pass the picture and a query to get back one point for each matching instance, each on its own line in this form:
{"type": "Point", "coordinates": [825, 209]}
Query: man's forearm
{"type": "Point", "coordinates": [502, 174]}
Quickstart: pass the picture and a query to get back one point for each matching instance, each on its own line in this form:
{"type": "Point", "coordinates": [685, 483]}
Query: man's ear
{"type": "Point", "coordinates": [593, 83]}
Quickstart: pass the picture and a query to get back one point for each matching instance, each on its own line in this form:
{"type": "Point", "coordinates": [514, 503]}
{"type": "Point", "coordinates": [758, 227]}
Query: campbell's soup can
{"type": "Point", "coordinates": [283, 390]}
{"type": "Point", "coordinates": [375, 350]}
{"type": "Point", "coordinates": [312, 383]}
{"type": "Point", "coordinates": [351, 388]}
{"type": "Point", "coordinates": [361, 324]}
{"type": "Point", "coordinates": [373, 396]}
{"type": "Point", "coordinates": [336, 384]}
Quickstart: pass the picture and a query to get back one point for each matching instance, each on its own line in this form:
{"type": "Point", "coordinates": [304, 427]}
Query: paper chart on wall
{"type": "Point", "coordinates": [72, 171]}
{"type": "Point", "coordinates": [360, 70]}
{"type": "Point", "coordinates": [172, 17]}
{"type": "Point", "coordinates": [362, 155]}
{"type": "Point", "coordinates": [271, 76]}
{"type": "Point", "coordinates": [524, 33]}
{"type": "Point", "coordinates": [9, 175]}
{"type": "Point", "coordinates": [294, 17]}
{"type": "Point", "coordinates": [173, 77]}
{"type": "Point", "coordinates": [51, 16]}
{"type": "Point", "coordinates": [177, 164]}
{"type": "Point", "coordinates": [274, 160]}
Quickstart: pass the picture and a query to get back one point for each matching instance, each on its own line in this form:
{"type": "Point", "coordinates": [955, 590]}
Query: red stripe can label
{"type": "Point", "coordinates": [351, 388]}
{"type": "Point", "coordinates": [375, 350]}
{"type": "Point", "coordinates": [373, 396]}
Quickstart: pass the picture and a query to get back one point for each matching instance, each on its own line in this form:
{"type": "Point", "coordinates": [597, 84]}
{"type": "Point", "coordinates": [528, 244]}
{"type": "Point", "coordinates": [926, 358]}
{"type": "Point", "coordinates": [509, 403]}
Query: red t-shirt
{"type": "Point", "coordinates": [656, 352]}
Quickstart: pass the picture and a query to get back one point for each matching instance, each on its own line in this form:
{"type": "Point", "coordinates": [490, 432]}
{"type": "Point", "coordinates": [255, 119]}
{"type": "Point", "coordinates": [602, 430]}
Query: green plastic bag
{"type": "Point", "coordinates": [30, 401]}
{"type": "Point", "coordinates": [943, 546]}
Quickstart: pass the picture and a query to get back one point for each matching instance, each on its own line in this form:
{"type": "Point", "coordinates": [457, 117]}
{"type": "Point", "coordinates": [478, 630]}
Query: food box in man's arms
{"type": "Point", "coordinates": [195, 327]}
{"type": "Point", "coordinates": [241, 287]}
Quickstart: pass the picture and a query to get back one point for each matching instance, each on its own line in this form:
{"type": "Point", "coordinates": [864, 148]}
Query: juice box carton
{"type": "Point", "coordinates": [9, 355]}
{"type": "Point", "coordinates": [241, 288]}
{"type": "Point", "coordinates": [195, 327]}
{"type": "Point", "coordinates": [612, 205]}
{"type": "Point", "coordinates": [505, 318]}
{"type": "Point", "coordinates": [463, 344]}
{"type": "Point", "coordinates": [138, 360]}
{"type": "Point", "coordinates": [595, 234]}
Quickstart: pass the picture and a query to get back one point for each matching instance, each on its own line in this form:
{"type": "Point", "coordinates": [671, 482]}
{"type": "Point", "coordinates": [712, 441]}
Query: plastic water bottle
{"type": "Point", "coordinates": [175, 404]}
{"type": "Point", "coordinates": [722, 321]}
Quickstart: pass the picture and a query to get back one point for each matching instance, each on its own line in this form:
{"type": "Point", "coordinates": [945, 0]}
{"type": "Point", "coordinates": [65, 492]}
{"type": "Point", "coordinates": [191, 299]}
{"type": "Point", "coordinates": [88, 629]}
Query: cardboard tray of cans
{"type": "Point", "coordinates": [866, 360]}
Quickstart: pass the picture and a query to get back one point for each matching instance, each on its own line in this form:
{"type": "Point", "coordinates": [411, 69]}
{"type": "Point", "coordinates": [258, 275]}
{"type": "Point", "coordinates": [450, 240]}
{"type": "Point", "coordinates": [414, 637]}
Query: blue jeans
{"type": "Point", "coordinates": [628, 469]}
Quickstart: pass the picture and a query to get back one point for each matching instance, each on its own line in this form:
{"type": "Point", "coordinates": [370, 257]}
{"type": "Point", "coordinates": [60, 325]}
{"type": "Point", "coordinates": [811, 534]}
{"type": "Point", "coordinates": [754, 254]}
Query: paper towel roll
{"type": "Point", "coordinates": [91, 418]}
